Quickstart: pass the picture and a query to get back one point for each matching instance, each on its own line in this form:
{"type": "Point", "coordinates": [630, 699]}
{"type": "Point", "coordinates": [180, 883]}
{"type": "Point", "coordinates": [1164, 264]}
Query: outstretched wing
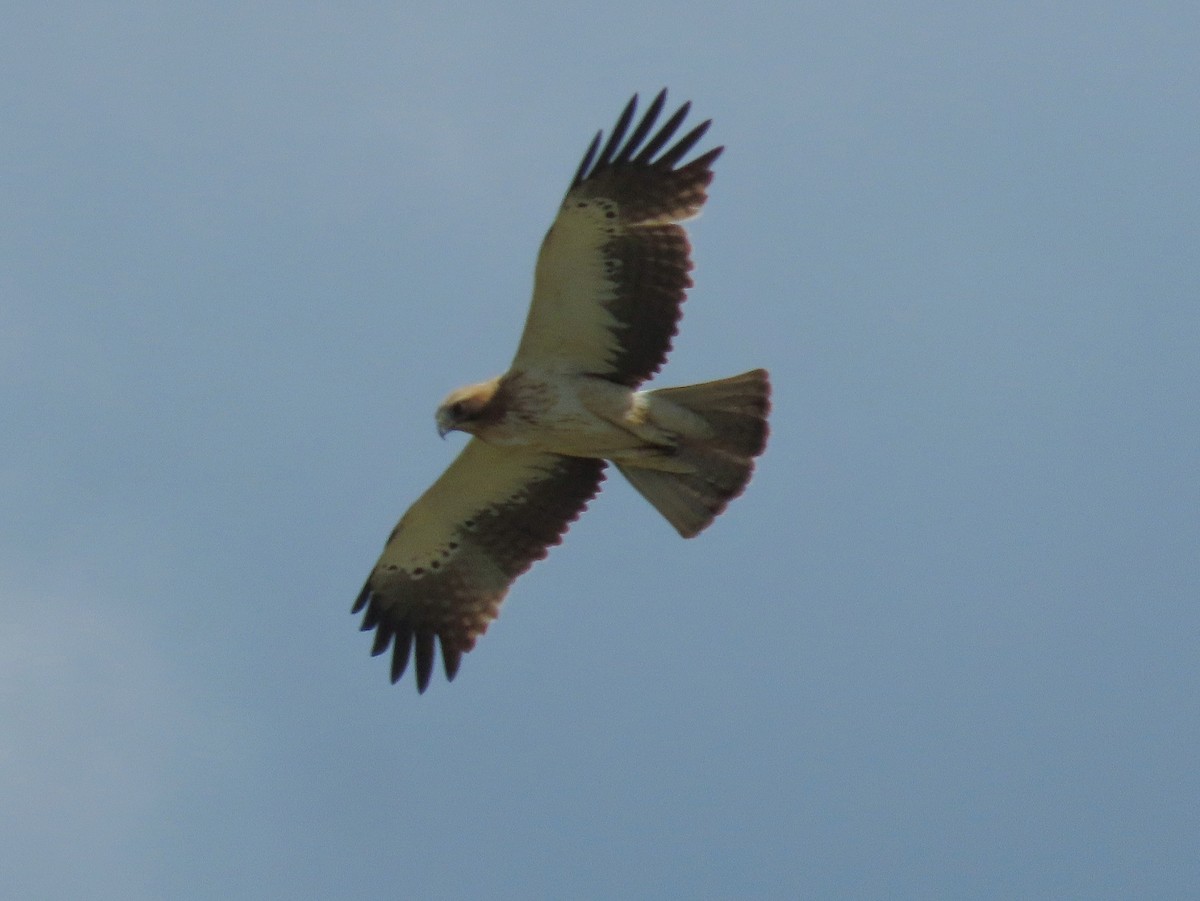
{"type": "Point", "coordinates": [613, 269]}
{"type": "Point", "coordinates": [449, 562]}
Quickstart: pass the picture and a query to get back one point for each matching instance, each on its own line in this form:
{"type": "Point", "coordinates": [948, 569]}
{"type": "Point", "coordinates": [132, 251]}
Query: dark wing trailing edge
{"type": "Point", "coordinates": [451, 559]}
{"type": "Point", "coordinates": [614, 268]}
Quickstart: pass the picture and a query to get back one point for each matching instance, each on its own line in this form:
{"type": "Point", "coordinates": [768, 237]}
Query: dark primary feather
{"type": "Point", "coordinates": [664, 134]}
{"type": "Point", "coordinates": [618, 132]}
{"type": "Point", "coordinates": [593, 165]}
{"type": "Point", "coordinates": [644, 126]}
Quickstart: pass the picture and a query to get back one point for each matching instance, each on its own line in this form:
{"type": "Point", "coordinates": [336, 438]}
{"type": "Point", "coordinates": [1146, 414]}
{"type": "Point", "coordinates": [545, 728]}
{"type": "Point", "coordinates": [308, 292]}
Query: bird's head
{"type": "Point", "coordinates": [464, 409]}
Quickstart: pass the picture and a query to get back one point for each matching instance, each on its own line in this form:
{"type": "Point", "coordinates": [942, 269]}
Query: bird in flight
{"type": "Point", "coordinates": [611, 276]}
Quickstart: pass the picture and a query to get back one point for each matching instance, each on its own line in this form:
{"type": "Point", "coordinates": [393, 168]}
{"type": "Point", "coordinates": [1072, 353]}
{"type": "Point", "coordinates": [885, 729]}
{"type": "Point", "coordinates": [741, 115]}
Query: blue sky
{"type": "Point", "coordinates": [945, 646]}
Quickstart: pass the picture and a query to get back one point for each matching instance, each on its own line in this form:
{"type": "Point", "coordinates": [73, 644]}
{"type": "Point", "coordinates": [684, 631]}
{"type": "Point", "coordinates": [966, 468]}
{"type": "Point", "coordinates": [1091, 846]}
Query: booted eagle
{"type": "Point", "coordinates": [611, 276]}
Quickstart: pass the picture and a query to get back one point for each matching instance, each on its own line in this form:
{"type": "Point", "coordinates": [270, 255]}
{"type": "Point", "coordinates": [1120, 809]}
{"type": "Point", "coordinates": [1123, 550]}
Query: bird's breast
{"type": "Point", "coordinates": [546, 412]}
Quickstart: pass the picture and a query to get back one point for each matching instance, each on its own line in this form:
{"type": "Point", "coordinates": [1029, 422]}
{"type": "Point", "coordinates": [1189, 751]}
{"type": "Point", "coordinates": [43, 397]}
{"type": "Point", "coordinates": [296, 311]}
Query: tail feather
{"type": "Point", "coordinates": [694, 483]}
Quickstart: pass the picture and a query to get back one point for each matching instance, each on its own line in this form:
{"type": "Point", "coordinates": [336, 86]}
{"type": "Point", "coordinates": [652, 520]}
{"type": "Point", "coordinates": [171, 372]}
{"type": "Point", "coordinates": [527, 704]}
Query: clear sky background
{"type": "Point", "coordinates": [947, 645]}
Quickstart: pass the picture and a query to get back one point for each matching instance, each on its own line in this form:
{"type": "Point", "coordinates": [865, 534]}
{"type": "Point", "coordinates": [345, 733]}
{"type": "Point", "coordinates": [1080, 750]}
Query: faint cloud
{"type": "Point", "coordinates": [93, 733]}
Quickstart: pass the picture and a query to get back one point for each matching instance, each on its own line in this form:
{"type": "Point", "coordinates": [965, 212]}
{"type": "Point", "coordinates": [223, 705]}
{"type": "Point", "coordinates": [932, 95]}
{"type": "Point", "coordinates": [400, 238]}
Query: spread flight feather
{"type": "Point", "coordinates": [611, 276]}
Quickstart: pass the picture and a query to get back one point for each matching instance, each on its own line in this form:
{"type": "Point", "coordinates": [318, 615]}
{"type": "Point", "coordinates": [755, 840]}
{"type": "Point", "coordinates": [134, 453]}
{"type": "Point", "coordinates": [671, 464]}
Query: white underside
{"type": "Point", "coordinates": [591, 417]}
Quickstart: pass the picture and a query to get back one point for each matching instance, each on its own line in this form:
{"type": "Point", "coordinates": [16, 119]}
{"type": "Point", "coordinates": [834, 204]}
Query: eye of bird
{"type": "Point", "coordinates": [457, 409]}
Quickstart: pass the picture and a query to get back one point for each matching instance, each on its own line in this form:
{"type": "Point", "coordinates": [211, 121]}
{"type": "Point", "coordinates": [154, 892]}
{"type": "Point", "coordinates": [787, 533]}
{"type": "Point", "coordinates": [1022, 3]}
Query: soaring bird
{"type": "Point", "coordinates": [611, 276]}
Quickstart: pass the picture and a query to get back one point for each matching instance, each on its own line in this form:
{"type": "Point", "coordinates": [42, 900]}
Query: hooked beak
{"type": "Point", "coordinates": [444, 425]}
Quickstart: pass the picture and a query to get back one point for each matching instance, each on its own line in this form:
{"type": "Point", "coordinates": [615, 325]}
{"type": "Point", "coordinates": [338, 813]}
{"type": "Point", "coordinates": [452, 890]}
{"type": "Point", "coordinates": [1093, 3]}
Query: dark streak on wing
{"type": "Point", "coordinates": [456, 603]}
{"type": "Point", "coordinates": [648, 255]}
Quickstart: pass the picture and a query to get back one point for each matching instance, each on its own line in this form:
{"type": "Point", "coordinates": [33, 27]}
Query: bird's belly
{"type": "Point", "coordinates": [574, 416]}
{"type": "Point", "coordinates": [581, 435]}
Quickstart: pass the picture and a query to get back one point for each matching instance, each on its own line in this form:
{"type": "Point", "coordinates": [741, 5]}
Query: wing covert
{"type": "Point", "coordinates": [614, 267]}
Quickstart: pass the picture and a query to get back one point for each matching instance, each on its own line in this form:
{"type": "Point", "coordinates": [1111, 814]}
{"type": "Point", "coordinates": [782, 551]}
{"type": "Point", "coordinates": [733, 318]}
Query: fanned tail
{"type": "Point", "coordinates": [708, 467]}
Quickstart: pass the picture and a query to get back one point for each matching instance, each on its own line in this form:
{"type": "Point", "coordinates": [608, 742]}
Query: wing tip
{"type": "Point", "coordinates": [616, 154]}
{"type": "Point", "coordinates": [404, 641]}
{"type": "Point", "coordinates": [363, 597]}
{"type": "Point", "coordinates": [451, 657]}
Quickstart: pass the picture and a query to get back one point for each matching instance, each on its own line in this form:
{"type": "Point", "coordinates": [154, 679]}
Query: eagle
{"type": "Point", "coordinates": [611, 276]}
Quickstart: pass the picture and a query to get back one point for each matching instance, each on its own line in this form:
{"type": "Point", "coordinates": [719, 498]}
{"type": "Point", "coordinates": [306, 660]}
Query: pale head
{"type": "Point", "coordinates": [466, 408]}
